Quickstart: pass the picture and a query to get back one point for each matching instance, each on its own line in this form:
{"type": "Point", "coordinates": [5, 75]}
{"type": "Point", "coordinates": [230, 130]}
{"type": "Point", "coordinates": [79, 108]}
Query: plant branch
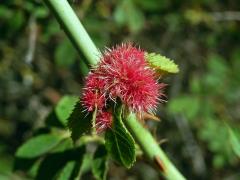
{"type": "Point", "coordinates": [79, 37]}
{"type": "Point", "coordinates": [74, 29]}
{"type": "Point", "coordinates": [151, 148]}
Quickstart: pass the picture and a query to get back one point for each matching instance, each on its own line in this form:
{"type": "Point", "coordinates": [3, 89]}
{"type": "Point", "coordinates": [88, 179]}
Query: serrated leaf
{"type": "Point", "coordinates": [79, 122]}
{"type": "Point", "coordinates": [66, 172]}
{"type": "Point", "coordinates": [86, 164]}
{"type": "Point", "coordinates": [235, 142]}
{"type": "Point", "coordinates": [99, 164]}
{"type": "Point", "coordinates": [65, 107]}
{"type": "Point", "coordinates": [119, 142]}
{"type": "Point", "coordinates": [38, 145]}
{"type": "Point", "coordinates": [161, 63]}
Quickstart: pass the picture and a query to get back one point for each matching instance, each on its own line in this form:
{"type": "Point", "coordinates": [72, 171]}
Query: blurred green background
{"type": "Point", "coordinates": [38, 65]}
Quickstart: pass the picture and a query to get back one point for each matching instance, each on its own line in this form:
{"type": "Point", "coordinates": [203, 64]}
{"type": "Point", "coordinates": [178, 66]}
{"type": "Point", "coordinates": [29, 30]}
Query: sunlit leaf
{"type": "Point", "coordinates": [65, 107]}
{"type": "Point", "coordinates": [161, 63]}
{"type": "Point", "coordinates": [38, 145]}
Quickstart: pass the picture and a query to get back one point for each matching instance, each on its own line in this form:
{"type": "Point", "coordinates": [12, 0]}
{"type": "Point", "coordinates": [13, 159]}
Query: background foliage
{"type": "Point", "coordinates": [38, 66]}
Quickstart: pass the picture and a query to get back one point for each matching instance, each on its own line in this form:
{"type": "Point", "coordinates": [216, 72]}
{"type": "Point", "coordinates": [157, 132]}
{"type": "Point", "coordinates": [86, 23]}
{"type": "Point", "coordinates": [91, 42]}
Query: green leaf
{"type": "Point", "coordinates": [41, 12]}
{"type": "Point", "coordinates": [119, 142]}
{"type": "Point", "coordinates": [188, 105]}
{"type": "Point", "coordinates": [217, 65]}
{"type": "Point", "coordinates": [195, 84]}
{"type": "Point", "coordinates": [6, 163]}
{"type": "Point", "coordinates": [218, 161]}
{"type": "Point", "coordinates": [128, 14]}
{"type": "Point", "coordinates": [161, 63]}
{"type": "Point", "coordinates": [66, 172]}
{"type": "Point", "coordinates": [235, 142]}
{"type": "Point", "coordinates": [53, 164]}
{"type": "Point", "coordinates": [34, 168]}
{"type": "Point", "coordinates": [86, 164]}
{"type": "Point", "coordinates": [99, 164]}
{"type": "Point", "coordinates": [79, 122]}
{"type": "Point", "coordinates": [38, 145]}
{"type": "Point", "coordinates": [64, 145]}
{"type": "Point", "coordinates": [65, 107]}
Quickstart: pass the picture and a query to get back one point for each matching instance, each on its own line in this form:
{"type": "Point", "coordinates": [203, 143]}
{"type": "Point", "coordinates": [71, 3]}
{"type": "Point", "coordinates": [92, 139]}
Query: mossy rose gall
{"type": "Point", "coordinates": [121, 73]}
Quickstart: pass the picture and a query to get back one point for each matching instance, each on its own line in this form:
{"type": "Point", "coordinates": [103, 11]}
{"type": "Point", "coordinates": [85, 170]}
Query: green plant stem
{"type": "Point", "coordinates": [74, 29]}
{"type": "Point", "coordinates": [151, 148]}
{"type": "Point", "coordinates": [78, 35]}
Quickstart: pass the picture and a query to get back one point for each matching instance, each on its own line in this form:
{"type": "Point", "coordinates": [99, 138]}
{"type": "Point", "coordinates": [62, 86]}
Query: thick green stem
{"type": "Point", "coordinates": [74, 29]}
{"type": "Point", "coordinates": [78, 35]}
{"type": "Point", "coordinates": [151, 148]}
